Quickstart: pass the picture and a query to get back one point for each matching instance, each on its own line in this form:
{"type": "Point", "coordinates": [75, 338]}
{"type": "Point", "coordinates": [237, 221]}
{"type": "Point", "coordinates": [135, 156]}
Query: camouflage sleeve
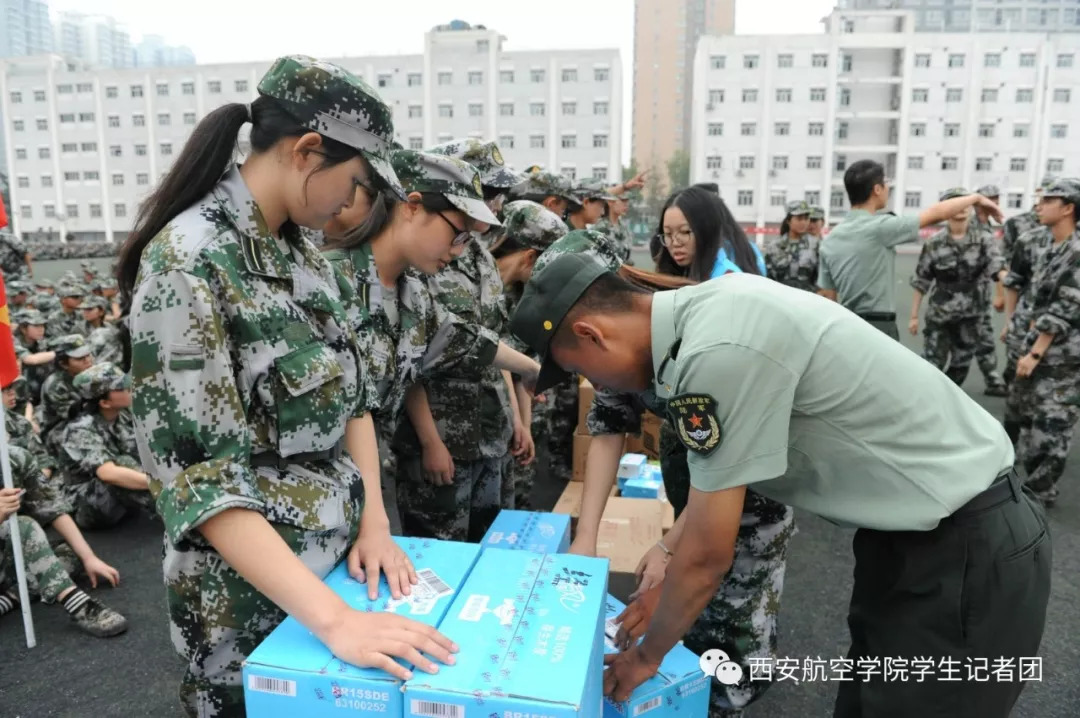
{"type": "Point", "coordinates": [43, 501]}
{"type": "Point", "coordinates": [613, 412]}
{"type": "Point", "coordinates": [1008, 237]}
{"type": "Point", "coordinates": [190, 423]}
{"type": "Point", "coordinates": [995, 260]}
{"type": "Point", "coordinates": [924, 273]}
{"type": "Point", "coordinates": [84, 449]}
{"type": "Point", "coordinates": [1062, 314]}
{"type": "Point", "coordinates": [1019, 268]}
{"type": "Point", "coordinates": [455, 344]}
{"type": "Point", "coordinates": [44, 459]}
{"type": "Point", "coordinates": [360, 320]}
{"type": "Point", "coordinates": [20, 350]}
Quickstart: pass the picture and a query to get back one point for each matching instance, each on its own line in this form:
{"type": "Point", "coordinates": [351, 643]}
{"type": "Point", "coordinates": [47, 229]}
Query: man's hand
{"type": "Point", "coordinates": [10, 501]}
{"type": "Point", "coordinates": [637, 182]}
{"type": "Point", "coordinates": [438, 464]}
{"type": "Point", "coordinates": [626, 671]}
{"type": "Point", "coordinates": [991, 209]}
{"type": "Point", "coordinates": [913, 326]}
{"type": "Point", "coordinates": [650, 570]}
{"type": "Point", "coordinates": [635, 618]}
{"type": "Point", "coordinates": [999, 303]}
{"type": "Point", "coordinates": [1026, 366]}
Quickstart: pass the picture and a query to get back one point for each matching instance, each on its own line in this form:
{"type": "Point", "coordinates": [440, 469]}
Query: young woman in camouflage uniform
{"type": "Point", "coordinates": [817, 223]}
{"type": "Point", "coordinates": [31, 350]}
{"type": "Point", "coordinates": [58, 393]}
{"type": "Point", "coordinates": [249, 385]}
{"type": "Point", "coordinates": [792, 257]}
{"type": "Point", "coordinates": [21, 432]}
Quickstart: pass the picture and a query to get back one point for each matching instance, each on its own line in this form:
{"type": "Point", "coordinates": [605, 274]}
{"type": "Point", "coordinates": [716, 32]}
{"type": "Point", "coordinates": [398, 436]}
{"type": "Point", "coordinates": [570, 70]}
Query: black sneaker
{"type": "Point", "coordinates": [996, 390]}
{"type": "Point", "coordinates": [99, 620]}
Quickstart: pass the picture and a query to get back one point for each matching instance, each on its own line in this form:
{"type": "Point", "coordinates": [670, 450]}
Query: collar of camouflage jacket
{"type": "Point", "coordinates": [264, 254]}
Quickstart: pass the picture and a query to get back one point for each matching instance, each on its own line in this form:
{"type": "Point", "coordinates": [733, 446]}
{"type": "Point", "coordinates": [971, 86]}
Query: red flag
{"type": "Point", "coordinates": [9, 365]}
{"type": "Point", "coordinates": [3, 214]}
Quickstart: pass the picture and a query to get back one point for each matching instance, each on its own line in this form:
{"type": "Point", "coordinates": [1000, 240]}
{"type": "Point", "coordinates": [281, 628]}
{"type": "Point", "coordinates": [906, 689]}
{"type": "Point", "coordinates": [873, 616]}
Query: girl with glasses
{"type": "Point", "coordinates": [699, 239]}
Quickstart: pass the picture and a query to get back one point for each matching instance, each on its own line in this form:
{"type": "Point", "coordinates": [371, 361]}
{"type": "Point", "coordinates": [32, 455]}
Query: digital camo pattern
{"type": "Point", "coordinates": [100, 380]}
{"type": "Point", "coordinates": [1055, 304]}
{"type": "Point", "coordinates": [1015, 228]}
{"type": "Point", "coordinates": [582, 241]}
{"type": "Point", "coordinates": [62, 323]}
{"type": "Point", "coordinates": [242, 344]}
{"type": "Point", "coordinates": [952, 274]}
{"type": "Point", "coordinates": [58, 396]}
{"type": "Point", "coordinates": [1026, 261]}
{"type": "Point", "coordinates": [793, 261]}
{"type": "Point", "coordinates": [44, 500]}
{"type": "Point", "coordinates": [455, 180]}
{"type": "Point", "coordinates": [1048, 406]}
{"type": "Point", "coordinates": [35, 375]}
{"type": "Point", "coordinates": [20, 432]}
{"type": "Point", "coordinates": [540, 185]}
{"type": "Point", "coordinates": [619, 235]}
{"type": "Point", "coordinates": [44, 303]}
{"type": "Point", "coordinates": [106, 344]}
{"type": "Point", "coordinates": [518, 480]}
{"type": "Point", "coordinates": [462, 511]}
{"type": "Point", "coordinates": [532, 225]}
{"type": "Point", "coordinates": [13, 258]}
{"type": "Point", "coordinates": [485, 157]}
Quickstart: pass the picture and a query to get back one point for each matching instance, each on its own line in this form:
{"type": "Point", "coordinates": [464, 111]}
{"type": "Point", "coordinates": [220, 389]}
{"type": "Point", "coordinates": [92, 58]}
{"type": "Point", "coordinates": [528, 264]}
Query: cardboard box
{"type": "Point", "coordinates": [630, 527]}
{"type": "Point", "coordinates": [531, 631]}
{"type": "Point", "coordinates": [650, 434]}
{"type": "Point", "coordinates": [678, 690]}
{"type": "Point", "coordinates": [634, 445]}
{"type": "Point", "coordinates": [643, 487]}
{"type": "Point", "coordinates": [581, 455]}
{"type": "Point", "coordinates": [570, 501]}
{"type": "Point", "coordinates": [585, 400]}
{"type": "Point", "coordinates": [292, 673]}
{"type": "Point", "coordinates": [529, 531]}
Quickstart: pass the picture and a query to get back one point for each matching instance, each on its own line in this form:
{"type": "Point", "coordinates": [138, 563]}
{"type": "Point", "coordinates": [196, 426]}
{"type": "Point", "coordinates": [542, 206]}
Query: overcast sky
{"type": "Point", "coordinates": [244, 30]}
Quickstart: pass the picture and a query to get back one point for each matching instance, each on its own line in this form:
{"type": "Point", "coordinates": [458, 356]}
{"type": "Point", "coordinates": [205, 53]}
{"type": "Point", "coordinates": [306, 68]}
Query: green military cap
{"type": "Point", "coordinates": [100, 379]}
{"type": "Point", "coordinates": [817, 212]}
{"type": "Point", "coordinates": [337, 104]}
{"type": "Point", "coordinates": [549, 295]}
{"type": "Point", "coordinates": [457, 181]}
{"type": "Point", "coordinates": [30, 318]}
{"type": "Point", "coordinates": [485, 157]}
{"type": "Point", "coordinates": [798, 208]}
{"type": "Point", "coordinates": [92, 301]}
{"type": "Point", "coordinates": [1047, 180]}
{"type": "Point", "coordinates": [70, 289]}
{"type": "Point", "coordinates": [73, 346]}
{"type": "Point", "coordinates": [87, 265]}
{"type": "Point", "coordinates": [532, 225]}
{"type": "Point", "coordinates": [105, 283]}
{"type": "Point", "coordinates": [989, 190]}
{"type": "Point", "coordinates": [592, 188]}
{"type": "Point", "coordinates": [953, 193]}
{"type": "Point", "coordinates": [44, 283]}
{"type": "Point", "coordinates": [44, 302]}
{"type": "Point", "coordinates": [1064, 188]}
{"type": "Point", "coordinates": [16, 286]}
{"type": "Point", "coordinates": [545, 184]}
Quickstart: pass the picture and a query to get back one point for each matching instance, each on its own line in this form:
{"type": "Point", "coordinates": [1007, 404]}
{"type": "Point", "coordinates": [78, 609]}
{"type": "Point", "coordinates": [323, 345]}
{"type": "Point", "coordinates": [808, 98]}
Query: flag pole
{"type": "Point", "coordinates": [16, 543]}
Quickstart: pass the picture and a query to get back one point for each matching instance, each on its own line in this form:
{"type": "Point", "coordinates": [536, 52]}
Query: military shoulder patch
{"type": "Point", "coordinates": [695, 422]}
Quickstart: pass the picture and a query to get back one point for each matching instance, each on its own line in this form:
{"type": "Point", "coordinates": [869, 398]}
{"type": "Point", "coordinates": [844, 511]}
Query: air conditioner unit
{"type": "Point", "coordinates": [715, 174]}
{"type": "Point", "coordinates": [710, 107]}
{"type": "Point", "coordinates": [772, 173]}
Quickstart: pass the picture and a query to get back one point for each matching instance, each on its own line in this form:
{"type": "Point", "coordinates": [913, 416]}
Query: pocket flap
{"type": "Point", "coordinates": [307, 367]}
{"type": "Point", "coordinates": [186, 357]}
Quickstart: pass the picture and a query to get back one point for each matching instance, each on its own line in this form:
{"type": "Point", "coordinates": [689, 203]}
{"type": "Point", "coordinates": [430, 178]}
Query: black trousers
{"type": "Point", "coordinates": [959, 599]}
{"type": "Point", "coordinates": [883, 321]}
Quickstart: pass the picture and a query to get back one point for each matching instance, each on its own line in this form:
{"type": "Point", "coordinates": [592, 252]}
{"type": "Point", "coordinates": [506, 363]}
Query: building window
{"type": "Point", "coordinates": [984, 164]}
{"type": "Point", "coordinates": [716, 97]}
{"type": "Point", "coordinates": [777, 198]}
{"type": "Point", "coordinates": [1055, 165]}
{"type": "Point", "coordinates": [95, 211]}
{"type": "Point", "coordinates": [72, 210]}
{"type": "Point", "coordinates": [446, 110]}
{"type": "Point", "coordinates": [18, 125]}
{"type": "Point", "coordinates": [162, 89]}
{"type": "Point", "coordinates": [536, 109]}
{"type": "Point", "coordinates": [1027, 59]}
{"type": "Point", "coordinates": [599, 140]}
{"type": "Point", "coordinates": [476, 109]}
{"type": "Point", "coordinates": [954, 94]}
{"type": "Point", "coordinates": [23, 182]}
{"type": "Point", "coordinates": [601, 74]}
{"type": "Point", "coordinates": [915, 162]}
{"type": "Point", "coordinates": [416, 111]}
{"type": "Point", "coordinates": [142, 178]}
{"type": "Point", "coordinates": [60, 90]}
{"type": "Point", "coordinates": [1058, 132]}
{"type": "Point", "coordinates": [920, 94]}
{"type": "Point", "coordinates": [446, 78]}
{"type": "Point", "coordinates": [20, 153]}
{"type": "Point", "coordinates": [43, 153]}
{"type": "Point", "coordinates": [384, 79]}
{"type": "Point", "coordinates": [841, 130]}
{"type": "Point", "coordinates": [569, 74]}
{"type": "Point", "coordinates": [780, 162]}
{"type": "Point", "coordinates": [414, 79]}
{"type": "Point", "coordinates": [956, 60]}
{"type": "Point", "coordinates": [714, 162]}
{"type": "Point", "coordinates": [506, 109]}
{"type": "Point", "coordinates": [50, 210]}
{"type": "Point", "coordinates": [189, 118]}
{"type": "Point", "coordinates": [1025, 95]}
{"type": "Point", "coordinates": [716, 129]}
{"type": "Point", "coordinates": [1018, 164]}
{"type": "Point", "coordinates": [992, 59]}
{"type": "Point", "coordinates": [745, 198]}
{"type": "Point", "coordinates": [812, 197]}
{"type": "Point", "coordinates": [416, 143]}
{"type": "Point", "coordinates": [952, 129]}
{"type": "Point", "coordinates": [1062, 95]}
{"type": "Point", "coordinates": [85, 87]}
{"type": "Point", "coordinates": [187, 88]}
{"type": "Point", "coordinates": [536, 142]}
{"type": "Point", "coordinates": [748, 129]}
{"type": "Point", "coordinates": [569, 108]}
{"type": "Point", "coordinates": [39, 95]}
{"type": "Point", "coordinates": [1021, 130]}
{"type": "Point", "coordinates": [846, 63]}
{"type": "Point", "coordinates": [115, 151]}
{"type": "Point", "coordinates": [120, 209]}
{"type": "Point", "coordinates": [813, 162]}
{"type": "Point", "coordinates": [16, 97]}
{"type": "Point", "coordinates": [599, 173]}
{"type": "Point", "coordinates": [26, 211]}
{"type": "Point", "coordinates": [912, 200]}
{"type": "Point", "coordinates": [817, 94]}
{"type": "Point", "coordinates": [836, 199]}
{"type": "Point", "coordinates": [749, 95]}
{"type": "Point", "coordinates": [506, 142]}
{"type": "Point", "coordinates": [537, 76]}
{"type": "Point", "coordinates": [816, 129]}
{"type": "Point", "coordinates": [750, 62]}
{"type": "Point", "coordinates": [476, 77]}
{"type": "Point", "coordinates": [717, 62]}
{"type": "Point", "coordinates": [69, 147]}
{"type": "Point", "coordinates": [114, 120]}
{"type": "Point", "coordinates": [46, 181]}
{"type": "Point", "coordinates": [600, 108]}
{"type": "Point", "coordinates": [841, 163]}
{"type": "Point", "coordinates": [746, 162]}
{"type": "Point", "coordinates": [922, 59]}
{"type": "Point", "coordinates": [140, 150]}
{"type": "Point", "coordinates": [819, 60]}
{"type": "Point", "coordinates": [1015, 200]}
{"type": "Point", "coordinates": [569, 142]}
{"type": "Point", "coordinates": [506, 77]}
{"type": "Point", "coordinates": [782, 129]}
{"type": "Point", "coordinates": [949, 163]}
{"type": "Point", "coordinates": [67, 118]}
{"type": "Point", "coordinates": [138, 120]}
{"type": "Point", "coordinates": [483, 45]}
{"type": "Point", "coordinates": [166, 148]}
{"type": "Point", "coordinates": [213, 87]}
{"type": "Point", "coordinates": [845, 97]}
{"type": "Point", "coordinates": [118, 180]}
{"type": "Point", "coordinates": [918, 129]}
{"type": "Point", "coordinates": [91, 176]}
{"type": "Point", "coordinates": [163, 119]}
{"type": "Point", "coordinates": [986, 130]}
{"type": "Point", "coordinates": [1065, 60]}
{"type": "Point", "coordinates": [989, 95]}
{"type": "Point", "coordinates": [785, 60]}
{"type": "Point", "coordinates": [783, 95]}
{"type": "Point", "coordinates": [86, 117]}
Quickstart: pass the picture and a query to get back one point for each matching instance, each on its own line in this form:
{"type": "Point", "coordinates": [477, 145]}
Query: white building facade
{"type": "Point", "coordinates": [85, 146]}
{"type": "Point", "coordinates": [96, 40]}
{"type": "Point", "coordinates": [779, 118]}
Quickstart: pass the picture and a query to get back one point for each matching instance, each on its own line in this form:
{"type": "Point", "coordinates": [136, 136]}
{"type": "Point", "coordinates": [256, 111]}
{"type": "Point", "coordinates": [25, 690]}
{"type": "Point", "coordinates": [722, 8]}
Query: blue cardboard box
{"type": "Point", "coordinates": [292, 673]}
{"type": "Point", "coordinates": [631, 466]}
{"type": "Point", "coordinates": [643, 487]}
{"type": "Point", "coordinates": [680, 688]}
{"type": "Point", "coordinates": [531, 633]}
{"type": "Point", "coordinates": [529, 531]}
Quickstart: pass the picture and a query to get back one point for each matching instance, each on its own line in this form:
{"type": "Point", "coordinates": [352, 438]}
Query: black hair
{"type": "Point", "coordinates": [205, 157]}
{"type": "Point", "coordinates": [709, 187]}
{"type": "Point", "coordinates": [491, 193]}
{"type": "Point", "coordinates": [785, 226]}
{"type": "Point", "coordinates": [505, 246]}
{"type": "Point", "coordinates": [609, 294]}
{"type": "Point", "coordinates": [713, 227]}
{"type": "Point", "coordinates": [860, 180]}
{"type": "Point", "coordinates": [380, 216]}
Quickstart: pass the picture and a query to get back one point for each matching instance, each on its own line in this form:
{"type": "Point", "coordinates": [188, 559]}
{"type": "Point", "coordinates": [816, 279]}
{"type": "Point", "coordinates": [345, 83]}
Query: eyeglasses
{"type": "Point", "coordinates": [461, 236]}
{"type": "Point", "coordinates": [678, 238]}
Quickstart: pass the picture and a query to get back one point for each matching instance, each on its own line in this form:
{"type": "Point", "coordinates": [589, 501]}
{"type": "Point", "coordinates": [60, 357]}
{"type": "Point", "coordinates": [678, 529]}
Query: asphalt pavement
{"type": "Point", "coordinates": [71, 674]}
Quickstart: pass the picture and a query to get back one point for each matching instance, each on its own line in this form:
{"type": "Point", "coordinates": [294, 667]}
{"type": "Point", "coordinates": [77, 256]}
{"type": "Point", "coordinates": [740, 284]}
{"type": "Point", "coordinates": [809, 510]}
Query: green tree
{"type": "Point", "coordinates": [678, 168]}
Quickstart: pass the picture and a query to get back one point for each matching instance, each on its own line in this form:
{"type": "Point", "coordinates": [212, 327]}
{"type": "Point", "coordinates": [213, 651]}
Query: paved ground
{"type": "Point", "coordinates": [69, 674]}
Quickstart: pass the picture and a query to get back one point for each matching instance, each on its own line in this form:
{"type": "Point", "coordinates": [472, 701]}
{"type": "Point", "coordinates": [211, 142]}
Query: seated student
{"type": "Point", "coordinates": [21, 432]}
{"type": "Point", "coordinates": [45, 571]}
{"type": "Point", "coordinates": [103, 476]}
{"type": "Point", "coordinates": [105, 338]}
{"type": "Point", "coordinates": [34, 356]}
{"type": "Point", "coordinates": [58, 394]}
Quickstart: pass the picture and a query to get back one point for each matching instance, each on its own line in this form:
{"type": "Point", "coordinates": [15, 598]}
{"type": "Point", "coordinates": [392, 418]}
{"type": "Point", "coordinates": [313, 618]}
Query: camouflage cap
{"type": "Point", "coordinates": [337, 104]}
{"type": "Point", "coordinates": [592, 188]}
{"type": "Point", "coordinates": [14, 380]}
{"type": "Point", "coordinates": [70, 289]}
{"type": "Point", "coordinates": [16, 286]}
{"type": "Point", "coordinates": [545, 184]}
{"type": "Point", "coordinates": [457, 181]}
{"type": "Point", "coordinates": [105, 283]}
{"type": "Point", "coordinates": [100, 379]}
{"type": "Point", "coordinates": [87, 265]}
{"type": "Point", "coordinates": [989, 190]}
{"type": "Point", "coordinates": [953, 193]}
{"type": "Point", "coordinates": [798, 208]}
{"type": "Point", "coordinates": [73, 346]}
{"type": "Point", "coordinates": [92, 301]}
{"type": "Point", "coordinates": [485, 157]}
{"type": "Point", "coordinates": [30, 318]}
{"type": "Point", "coordinates": [532, 225]}
{"type": "Point", "coordinates": [46, 283]}
{"type": "Point", "coordinates": [817, 212]}
{"type": "Point", "coordinates": [1065, 188]}
{"type": "Point", "coordinates": [44, 302]}
{"type": "Point", "coordinates": [1047, 180]}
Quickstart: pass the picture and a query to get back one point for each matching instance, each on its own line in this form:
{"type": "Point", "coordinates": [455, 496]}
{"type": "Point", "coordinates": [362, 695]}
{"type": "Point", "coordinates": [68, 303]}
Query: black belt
{"type": "Point", "coordinates": [1006, 487]}
{"type": "Point", "coordinates": [270, 458]}
{"type": "Point", "coordinates": [878, 316]}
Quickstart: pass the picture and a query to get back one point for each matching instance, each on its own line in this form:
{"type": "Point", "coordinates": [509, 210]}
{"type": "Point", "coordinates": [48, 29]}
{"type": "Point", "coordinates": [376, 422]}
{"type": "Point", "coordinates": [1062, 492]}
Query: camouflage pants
{"type": "Point", "coordinates": [45, 574]}
{"type": "Point", "coordinates": [561, 416]}
{"type": "Point", "coordinates": [98, 505]}
{"type": "Point", "coordinates": [986, 351]}
{"type": "Point", "coordinates": [1013, 402]}
{"type": "Point", "coordinates": [462, 511]}
{"type": "Point", "coordinates": [1050, 408]}
{"type": "Point", "coordinates": [741, 618]}
{"type": "Point", "coordinates": [518, 480]}
{"type": "Point", "coordinates": [388, 481]}
{"type": "Point", "coordinates": [950, 346]}
{"type": "Point", "coordinates": [217, 618]}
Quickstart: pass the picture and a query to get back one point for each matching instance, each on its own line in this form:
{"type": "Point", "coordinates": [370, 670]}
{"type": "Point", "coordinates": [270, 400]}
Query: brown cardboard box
{"type": "Point", "coordinates": [570, 501]}
{"type": "Point", "coordinates": [585, 399]}
{"type": "Point", "coordinates": [630, 527]}
{"type": "Point", "coordinates": [581, 453]}
{"type": "Point", "coordinates": [650, 434]}
{"type": "Point", "coordinates": [634, 445]}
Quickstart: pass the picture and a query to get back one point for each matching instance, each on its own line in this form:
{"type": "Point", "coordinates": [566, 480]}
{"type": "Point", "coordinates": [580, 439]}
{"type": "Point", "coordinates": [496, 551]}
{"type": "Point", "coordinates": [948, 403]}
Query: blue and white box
{"type": "Point", "coordinates": [680, 689]}
{"type": "Point", "coordinates": [643, 487]}
{"type": "Point", "coordinates": [529, 531]}
{"type": "Point", "coordinates": [292, 673]}
{"type": "Point", "coordinates": [630, 467]}
{"type": "Point", "coordinates": [531, 633]}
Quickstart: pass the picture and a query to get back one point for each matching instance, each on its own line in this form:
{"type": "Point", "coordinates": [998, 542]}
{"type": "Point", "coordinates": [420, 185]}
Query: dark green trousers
{"type": "Point", "coordinates": [958, 599]}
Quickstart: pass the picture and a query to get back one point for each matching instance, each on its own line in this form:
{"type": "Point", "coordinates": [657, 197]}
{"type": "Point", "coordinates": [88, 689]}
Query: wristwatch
{"type": "Point", "coordinates": [1037, 356]}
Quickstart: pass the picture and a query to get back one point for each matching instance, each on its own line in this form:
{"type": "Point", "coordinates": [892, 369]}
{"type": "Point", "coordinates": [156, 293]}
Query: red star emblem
{"type": "Point", "coordinates": [696, 421]}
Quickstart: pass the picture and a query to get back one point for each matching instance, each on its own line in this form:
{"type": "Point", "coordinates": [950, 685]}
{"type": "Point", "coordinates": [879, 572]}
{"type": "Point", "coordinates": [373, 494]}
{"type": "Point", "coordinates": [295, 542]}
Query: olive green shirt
{"type": "Point", "coordinates": [858, 259]}
{"type": "Point", "coordinates": [817, 409]}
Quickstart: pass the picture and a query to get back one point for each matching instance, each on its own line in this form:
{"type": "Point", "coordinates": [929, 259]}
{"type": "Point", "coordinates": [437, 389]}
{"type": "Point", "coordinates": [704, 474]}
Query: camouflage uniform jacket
{"type": "Point", "coordinates": [793, 262]}
{"type": "Point", "coordinates": [615, 412]}
{"type": "Point", "coordinates": [242, 344]}
{"type": "Point", "coordinates": [425, 336]}
{"type": "Point", "coordinates": [91, 441]}
{"type": "Point", "coordinates": [62, 323]}
{"type": "Point", "coordinates": [43, 501]}
{"type": "Point", "coordinates": [35, 375]}
{"type": "Point", "coordinates": [953, 274]}
{"type": "Point", "coordinates": [106, 344]}
{"type": "Point", "coordinates": [58, 395]}
{"type": "Point", "coordinates": [470, 404]}
{"type": "Point", "coordinates": [511, 297]}
{"type": "Point", "coordinates": [1028, 255]}
{"type": "Point", "coordinates": [1015, 228]}
{"type": "Point", "coordinates": [582, 241]}
{"type": "Point", "coordinates": [1055, 306]}
{"type": "Point", "coordinates": [619, 235]}
{"type": "Point", "coordinates": [13, 258]}
{"type": "Point", "coordinates": [21, 433]}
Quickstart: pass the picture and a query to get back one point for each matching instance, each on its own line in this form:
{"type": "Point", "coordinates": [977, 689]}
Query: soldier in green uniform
{"type": "Point", "coordinates": [792, 258]}
{"type": "Point", "coordinates": [1018, 225]}
{"type": "Point", "coordinates": [763, 397]}
{"type": "Point", "coordinates": [992, 295]}
{"type": "Point", "coordinates": [248, 408]}
{"type": "Point", "coordinates": [817, 223]}
{"type": "Point", "coordinates": [105, 338]}
{"type": "Point", "coordinates": [31, 350]}
{"type": "Point", "coordinates": [21, 432]}
{"type": "Point", "coordinates": [89, 272]}
{"type": "Point", "coordinates": [58, 393]}
{"type": "Point", "coordinates": [44, 298]}
{"type": "Point", "coordinates": [107, 288]}
{"type": "Point", "coordinates": [18, 293]}
{"type": "Point", "coordinates": [67, 319]}
{"type": "Point", "coordinates": [954, 268]}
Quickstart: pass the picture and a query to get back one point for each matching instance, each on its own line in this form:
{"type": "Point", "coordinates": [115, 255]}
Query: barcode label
{"type": "Point", "coordinates": [431, 582]}
{"type": "Point", "coordinates": [431, 709]}
{"type": "Point", "coordinates": [648, 705]}
{"type": "Point", "coordinates": [277, 686]}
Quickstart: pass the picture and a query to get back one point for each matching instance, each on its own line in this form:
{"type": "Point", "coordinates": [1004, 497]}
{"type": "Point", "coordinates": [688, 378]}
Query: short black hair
{"type": "Point", "coordinates": [609, 294]}
{"type": "Point", "coordinates": [860, 180]}
{"type": "Point", "coordinates": [709, 186]}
